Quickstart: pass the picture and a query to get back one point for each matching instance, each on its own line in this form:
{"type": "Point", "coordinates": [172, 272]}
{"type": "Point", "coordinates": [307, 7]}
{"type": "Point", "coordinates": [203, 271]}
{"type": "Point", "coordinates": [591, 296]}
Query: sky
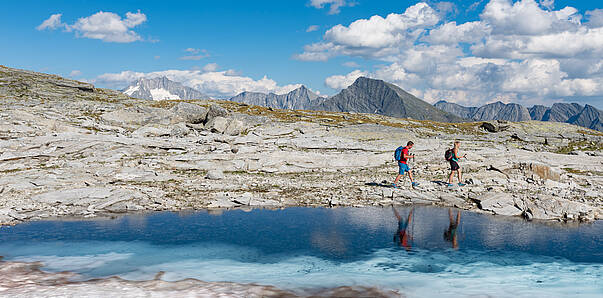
{"type": "Point", "coordinates": [469, 52]}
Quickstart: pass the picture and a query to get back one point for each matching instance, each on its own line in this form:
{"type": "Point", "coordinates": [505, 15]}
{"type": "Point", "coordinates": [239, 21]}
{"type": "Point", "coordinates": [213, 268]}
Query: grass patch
{"type": "Point", "coordinates": [580, 172]}
{"type": "Point", "coordinates": [583, 145]}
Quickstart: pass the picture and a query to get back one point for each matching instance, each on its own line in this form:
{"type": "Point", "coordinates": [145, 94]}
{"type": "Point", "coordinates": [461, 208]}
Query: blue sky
{"type": "Point", "coordinates": [494, 50]}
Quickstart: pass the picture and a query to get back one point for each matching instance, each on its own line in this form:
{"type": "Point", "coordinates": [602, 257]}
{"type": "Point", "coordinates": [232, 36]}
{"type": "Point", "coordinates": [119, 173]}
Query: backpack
{"type": "Point", "coordinates": [398, 153]}
{"type": "Point", "coordinates": [448, 155]}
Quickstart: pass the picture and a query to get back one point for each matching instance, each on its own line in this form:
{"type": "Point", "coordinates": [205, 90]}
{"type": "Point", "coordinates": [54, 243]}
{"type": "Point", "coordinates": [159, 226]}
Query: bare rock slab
{"type": "Point", "coordinates": [499, 203]}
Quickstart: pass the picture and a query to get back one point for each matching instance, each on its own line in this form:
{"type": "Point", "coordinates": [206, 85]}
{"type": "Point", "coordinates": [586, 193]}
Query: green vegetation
{"type": "Point", "coordinates": [583, 145]}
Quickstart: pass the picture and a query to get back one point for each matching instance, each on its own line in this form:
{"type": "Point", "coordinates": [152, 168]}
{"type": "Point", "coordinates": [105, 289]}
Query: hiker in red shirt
{"type": "Point", "coordinates": [401, 155]}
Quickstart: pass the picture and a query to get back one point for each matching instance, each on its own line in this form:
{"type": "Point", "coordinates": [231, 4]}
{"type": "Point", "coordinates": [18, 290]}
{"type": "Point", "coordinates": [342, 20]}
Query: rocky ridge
{"type": "Point", "coordinates": [69, 149]}
{"type": "Point", "coordinates": [161, 88]}
{"type": "Point", "coordinates": [299, 99]}
{"type": "Point", "coordinates": [572, 113]}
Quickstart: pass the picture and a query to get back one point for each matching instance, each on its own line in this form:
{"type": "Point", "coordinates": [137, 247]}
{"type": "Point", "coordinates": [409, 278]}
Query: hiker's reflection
{"type": "Point", "coordinates": [452, 233]}
{"type": "Point", "coordinates": [402, 236]}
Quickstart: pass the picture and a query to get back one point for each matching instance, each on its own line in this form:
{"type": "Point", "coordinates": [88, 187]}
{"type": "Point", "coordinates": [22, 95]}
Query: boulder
{"type": "Point", "coordinates": [234, 128]}
{"type": "Point", "coordinates": [217, 124]}
{"type": "Point", "coordinates": [138, 116]}
{"type": "Point", "coordinates": [214, 175]}
{"type": "Point", "coordinates": [179, 130]}
{"type": "Point", "coordinates": [494, 126]}
{"type": "Point", "coordinates": [190, 113]}
{"type": "Point", "coordinates": [215, 111]}
{"type": "Point", "coordinates": [542, 171]}
{"type": "Point", "coordinates": [499, 203]}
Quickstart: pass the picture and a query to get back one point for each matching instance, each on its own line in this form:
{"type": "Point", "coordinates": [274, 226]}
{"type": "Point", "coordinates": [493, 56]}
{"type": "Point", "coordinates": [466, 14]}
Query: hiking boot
{"type": "Point", "coordinates": [450, 185]}
{"type": "Point", "coordinates": [461, 184]}
{"type": "Point", "coordinates": [394, 185]}
{"type": "Point", "coordinates": [415, 184]}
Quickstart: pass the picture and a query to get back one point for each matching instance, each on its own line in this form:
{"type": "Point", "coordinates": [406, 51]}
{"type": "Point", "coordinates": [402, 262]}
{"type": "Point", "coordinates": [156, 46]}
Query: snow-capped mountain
{"type": "Point", "coordinates": [161, 88]}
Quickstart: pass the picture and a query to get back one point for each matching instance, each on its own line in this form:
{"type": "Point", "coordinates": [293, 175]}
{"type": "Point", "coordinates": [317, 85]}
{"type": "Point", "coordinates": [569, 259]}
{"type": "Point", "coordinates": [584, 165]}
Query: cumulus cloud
{"type": "Point", "coordinates": [52, 23]}
{"type": "Point", "coordinates": [334, 5]}
{"type": "Point", "coordinates": [218, 84]}
{"type": "Point", "coordinates": [210, 67]}
{"type": "Point", "coordinates": [106, 26]}
{"type": "Point", "coordinates": [340, 82]}
{"type": "Point", "coordinates": [376, 37]}
{"type": "Point", "coordinates": [595, 18]}
{"type": "Point", "coordinates": [523, 51]}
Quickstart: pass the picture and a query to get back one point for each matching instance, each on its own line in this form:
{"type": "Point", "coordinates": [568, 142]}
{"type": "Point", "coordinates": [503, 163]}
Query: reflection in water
{"type": "Point", "coordinates": [451, 234]}
{"type": "Point", "coordinates": [403, 234]}
{"type": "Point", "coordinates": [317, 247]}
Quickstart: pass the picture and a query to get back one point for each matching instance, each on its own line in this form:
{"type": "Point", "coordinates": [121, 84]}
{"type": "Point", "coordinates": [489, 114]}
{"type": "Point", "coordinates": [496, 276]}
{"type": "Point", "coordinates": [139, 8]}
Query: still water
{"type": "Point", "coordinates": [433, 252]}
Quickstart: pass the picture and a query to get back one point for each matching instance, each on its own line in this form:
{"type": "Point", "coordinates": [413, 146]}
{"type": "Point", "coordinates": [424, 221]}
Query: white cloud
{"type": "Point", "coordinates": [548, 4]}
{"type": "Point", "coordinates": [375, 37]}
{"type": "Point", "coordinates": [312, 28]}
{"type": "Point", "coordinates": [522, 51]}
{"type": "Point", "coordinates": [75, 73]}
{"type": "Point", "coordinates": [218, 84]}
{"type": "Point", "coordinates": [341, 82]}
{"type": "Point", "coordinates": [106, 26]}
{"type": "Point", "coordinates": [595, 18]}
{"type": "Point", "coordinates": [334, 5]}
{"type": "Point", "coordinates": [525, 17]}
{"type": "Point", "coordinates": [451, 33]}
{"type": "Point", "coordinates": [210, 67]}
{"type": "Point", "coordinates": [52, 23]}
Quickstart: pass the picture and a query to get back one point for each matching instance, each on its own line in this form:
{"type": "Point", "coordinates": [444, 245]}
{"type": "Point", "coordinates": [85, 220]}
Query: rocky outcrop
{"type": "Point", "coordinates": [367, 95]}
{"type": "Point", "coordinates": [161, 88]}
{"type": "Point", "coordinates": [190, 113]}
{"type": "Point", "coordinates": [299, 99]}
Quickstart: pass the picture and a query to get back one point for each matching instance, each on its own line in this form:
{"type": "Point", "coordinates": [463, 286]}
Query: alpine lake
{"type": "Point", "coordinates": [434, 252]}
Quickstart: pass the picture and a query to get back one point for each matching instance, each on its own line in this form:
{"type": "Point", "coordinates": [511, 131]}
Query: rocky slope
{"type": "Point", "coordinates": [378, 97]}
{"type": "Point", "coordinates": [299, 99]}
{"type": "Point", "coordinates": [161, 88]}
{"type": "Point", "coordinates": [572, 113]}
{"type": "Point", "coordinates": [69, 149]}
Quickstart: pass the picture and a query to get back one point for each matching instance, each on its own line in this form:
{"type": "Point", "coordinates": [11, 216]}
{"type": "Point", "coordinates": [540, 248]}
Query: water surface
{"type": "Point", "coordinates": [301, 248]}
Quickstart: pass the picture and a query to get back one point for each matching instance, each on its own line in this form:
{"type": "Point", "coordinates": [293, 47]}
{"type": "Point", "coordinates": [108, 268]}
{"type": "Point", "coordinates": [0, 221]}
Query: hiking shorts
{"type": "Point", "coordinates": [402, 168]}
{"type": "Point", "coordinates": [454, 165]}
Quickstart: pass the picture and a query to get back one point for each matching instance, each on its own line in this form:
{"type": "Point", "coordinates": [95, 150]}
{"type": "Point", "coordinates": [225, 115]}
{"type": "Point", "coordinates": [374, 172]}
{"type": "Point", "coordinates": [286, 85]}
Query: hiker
{"type": "Point", "coordinates": [452, 155]}
{"type": "Point", "coordinates": [451, 233]}
{"type": "Point", "coordinates": [401, 155]}
{"type": "Point", "coordinates": [401, 236]}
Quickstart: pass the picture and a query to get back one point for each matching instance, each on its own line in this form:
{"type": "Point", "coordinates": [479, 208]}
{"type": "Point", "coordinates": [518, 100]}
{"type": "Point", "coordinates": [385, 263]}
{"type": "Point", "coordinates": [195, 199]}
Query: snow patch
{"type": "Point", "coordinates": [131, 90]}
{"type": "Point", "coordinates": [162, 94]}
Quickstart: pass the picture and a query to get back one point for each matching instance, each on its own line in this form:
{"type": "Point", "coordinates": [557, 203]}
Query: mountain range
{"type": "Point", "coordinates": [374, 96]}
{"type": "Point", "coordinates": [572, 113]}
{"type": "Point", "coordinates": [365, 95]}
{"type": "Point", "coordinates": [161, 88]}
{"type": "Point", "coordinates": [299, 99]}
